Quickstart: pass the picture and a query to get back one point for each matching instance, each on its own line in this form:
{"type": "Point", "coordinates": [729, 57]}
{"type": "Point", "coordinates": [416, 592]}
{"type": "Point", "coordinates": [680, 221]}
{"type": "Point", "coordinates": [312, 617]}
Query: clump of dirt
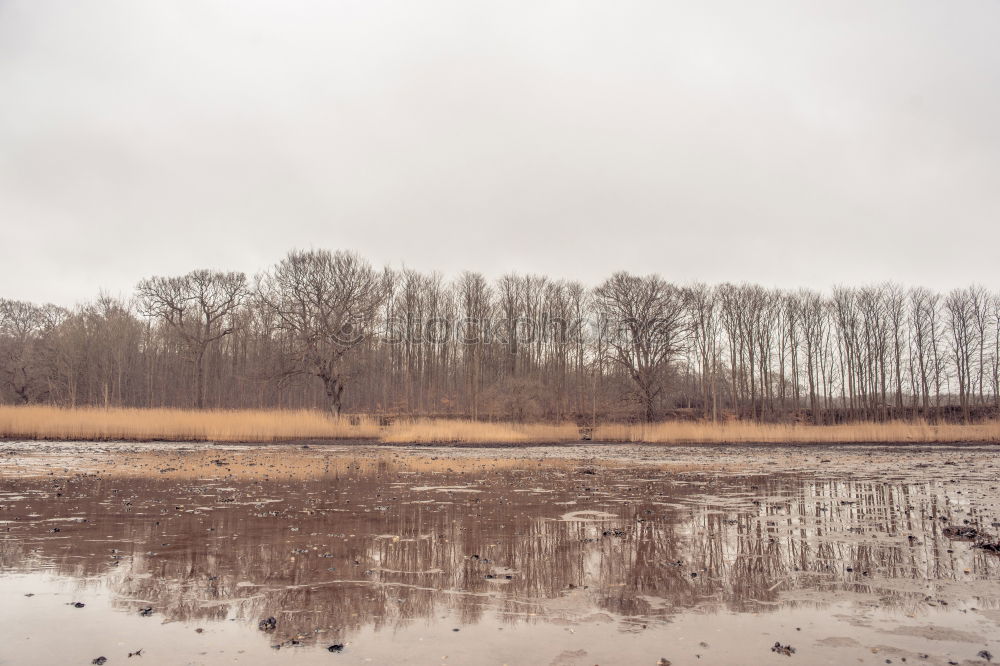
{"type": "Point", "coordinates": [981, 540]}
{"type": "Point", "coordinates": [786, 650]}
{"type": "Point", "coordinates": [990, 546]}
{"type": "Point", "coordinates": [963, 532]}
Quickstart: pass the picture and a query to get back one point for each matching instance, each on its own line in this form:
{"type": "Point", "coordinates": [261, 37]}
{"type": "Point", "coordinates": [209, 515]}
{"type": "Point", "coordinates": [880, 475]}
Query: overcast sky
{"type": "Point", "coordinates": [792, 144]}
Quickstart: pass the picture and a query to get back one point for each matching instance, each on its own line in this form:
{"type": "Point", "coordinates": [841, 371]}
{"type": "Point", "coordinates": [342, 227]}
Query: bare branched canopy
{"type": "Point", "coordinates": [644, 320]}
{"type": "Point", "coordinates": [326, 303]}
{"type": "Point", "coordinates": [327, 329]}
{"type": "Point", "coordinates": [198, 308]}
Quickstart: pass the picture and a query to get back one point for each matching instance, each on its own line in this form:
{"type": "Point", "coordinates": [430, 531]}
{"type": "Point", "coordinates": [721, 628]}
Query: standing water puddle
{"type": "Point", "coordinates": [563, 555]}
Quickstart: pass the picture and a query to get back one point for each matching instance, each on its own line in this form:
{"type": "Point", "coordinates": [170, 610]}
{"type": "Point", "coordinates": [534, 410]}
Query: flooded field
{"type": "Point", "coordinates": [577, 555]}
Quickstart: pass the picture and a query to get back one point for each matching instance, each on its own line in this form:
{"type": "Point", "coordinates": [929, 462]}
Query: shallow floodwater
{"type": "Point", "coordinates": [550, 555]}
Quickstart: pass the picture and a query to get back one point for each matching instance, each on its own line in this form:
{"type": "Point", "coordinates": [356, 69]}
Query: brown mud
{"type": "Point", "coordinates": [207, 554]}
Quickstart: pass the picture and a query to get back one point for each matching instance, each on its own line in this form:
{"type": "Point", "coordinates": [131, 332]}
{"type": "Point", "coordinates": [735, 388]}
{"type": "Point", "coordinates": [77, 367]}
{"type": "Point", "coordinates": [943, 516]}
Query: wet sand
{"type": "Point", "coordinates": [604, 554]}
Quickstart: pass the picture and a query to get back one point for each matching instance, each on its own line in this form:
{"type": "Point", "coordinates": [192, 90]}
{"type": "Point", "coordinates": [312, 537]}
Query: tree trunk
{"type": "Point", "coordinates": [334, 391]}
{"type": "Point", "coordinates": [199, 380]}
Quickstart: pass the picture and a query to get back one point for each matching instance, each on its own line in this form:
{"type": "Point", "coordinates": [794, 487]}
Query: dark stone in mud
{"type": "Point", "coordinates": [336, 647]}
{"type": "Point", "coordinates": [985, 654]}
{"type": "Point", "coordinates": [78, 604]}
{"type": "Point", "coordinates": [270, 624]}
{"type": "Point", "coordinates": [99, 660]}
{"type": "Point", "coordinates": [146, 612]}
{"type": "Point", "coordinates": [786, 650]}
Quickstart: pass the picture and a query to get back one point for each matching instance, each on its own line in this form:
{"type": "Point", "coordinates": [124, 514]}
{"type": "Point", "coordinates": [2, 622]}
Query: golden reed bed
{"type": "Point", "coordinates": [281, 425]}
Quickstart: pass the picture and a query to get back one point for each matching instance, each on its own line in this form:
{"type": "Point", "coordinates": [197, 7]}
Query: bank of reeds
{"type": "Point", "coordinates": [681, 432]}
{"type": "Point", "coordinates": [454, 431]}
{"type": "Point", "coordinates": [90, 423]}
{"type": "Point", "coordinates": [182, 425]}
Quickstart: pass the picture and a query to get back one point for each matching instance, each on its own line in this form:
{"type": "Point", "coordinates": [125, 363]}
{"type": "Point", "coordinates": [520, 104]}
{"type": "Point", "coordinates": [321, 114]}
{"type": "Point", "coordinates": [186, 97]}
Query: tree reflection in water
{"type": "Point", "coordinates": [374, 545]}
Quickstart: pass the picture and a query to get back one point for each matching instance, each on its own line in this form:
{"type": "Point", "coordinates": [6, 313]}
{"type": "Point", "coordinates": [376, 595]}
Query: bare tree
{"type": "Point", "coordinates": [645, 329]}
{"type": "Point", "coordinates": [20, 326]}
{"type": "Point", "coordinates": [960, 306]}
{"type": "Point", "coordinates": [703, 310]}
{"type": "Point", "coordinates": [475, 299]}
{"type": "Point", "coordinates": [198, 308]}
{"type": "Point", "coordinates": [326, 304]}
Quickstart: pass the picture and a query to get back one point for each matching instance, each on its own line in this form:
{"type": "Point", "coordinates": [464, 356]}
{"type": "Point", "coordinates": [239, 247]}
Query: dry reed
{"type": "Point", "coordinates": [677, 432]}
{"type": "Point", "coordinates": [89, 423]}
{"type": "Point", "coordinates": [439, 431]}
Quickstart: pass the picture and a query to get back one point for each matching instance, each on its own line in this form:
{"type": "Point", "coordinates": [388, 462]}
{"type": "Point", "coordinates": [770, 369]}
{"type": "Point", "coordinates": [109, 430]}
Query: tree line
{"type": "Point", "coordinates": [327, 329]}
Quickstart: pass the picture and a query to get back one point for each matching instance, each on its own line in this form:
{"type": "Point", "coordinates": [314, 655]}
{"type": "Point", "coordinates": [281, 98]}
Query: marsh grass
{"type": "Point", "coordinates": [744, 432]}
{"type": "Point", "coordinates": [430, 431]}
{"type": "Point", "coordinates": [90, 423]}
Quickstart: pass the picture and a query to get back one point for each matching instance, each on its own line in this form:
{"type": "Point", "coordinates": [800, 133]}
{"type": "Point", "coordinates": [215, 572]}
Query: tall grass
{"type": "Point", "coordinates": [430, 431]}
{"type": "Point", "coordinates": [89, 423]}
{"type": "Point", "coordinates": [746, 432]}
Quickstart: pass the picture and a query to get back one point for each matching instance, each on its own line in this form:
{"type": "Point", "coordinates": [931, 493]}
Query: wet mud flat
{"type": "Point", "coordinates": [355, 554]}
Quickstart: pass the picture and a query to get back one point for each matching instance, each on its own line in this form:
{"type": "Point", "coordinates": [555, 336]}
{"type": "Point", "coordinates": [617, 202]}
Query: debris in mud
{"type": "Point", "coordinates": [137, 653]}
{"type": "Point", "coordinates": [988, 546]}
{"type": "Point", "coordinates": [786, 650]}
{"type": "Point", "coordinates": [961, 532]}
{"type": "Point", "coordinates": [980, 539]}
{"type": "Point", "coordinates": [77, 604]}
{"type": "Point", "coordinates": [336, 647]}
{"type": "Point", "coordinates": [985, 654]}
{"type": "Point", "coordinates": [146, 612]}
{"type": "Point", "coordinates": [270, 624]}
{"type": "Point", "coordinates": [663, 662]}
{"type": "Point", "coordinates": [99, 661]}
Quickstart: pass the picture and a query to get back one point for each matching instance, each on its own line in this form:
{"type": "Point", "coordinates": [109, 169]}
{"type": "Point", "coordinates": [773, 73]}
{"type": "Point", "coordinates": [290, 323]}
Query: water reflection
{"type": "Point", "coordinates": [378, 545]}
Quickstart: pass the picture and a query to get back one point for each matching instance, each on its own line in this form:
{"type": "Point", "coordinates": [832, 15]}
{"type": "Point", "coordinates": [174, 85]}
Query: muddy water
{"type": "Point", "coordinates": [558, 555]}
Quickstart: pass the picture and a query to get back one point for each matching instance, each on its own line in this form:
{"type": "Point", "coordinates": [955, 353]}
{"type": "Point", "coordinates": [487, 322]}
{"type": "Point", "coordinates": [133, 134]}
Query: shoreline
{"type": "Point", "coordinates": [362, 442]}
{"type": "Point", "coordinates": [43, 423]}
